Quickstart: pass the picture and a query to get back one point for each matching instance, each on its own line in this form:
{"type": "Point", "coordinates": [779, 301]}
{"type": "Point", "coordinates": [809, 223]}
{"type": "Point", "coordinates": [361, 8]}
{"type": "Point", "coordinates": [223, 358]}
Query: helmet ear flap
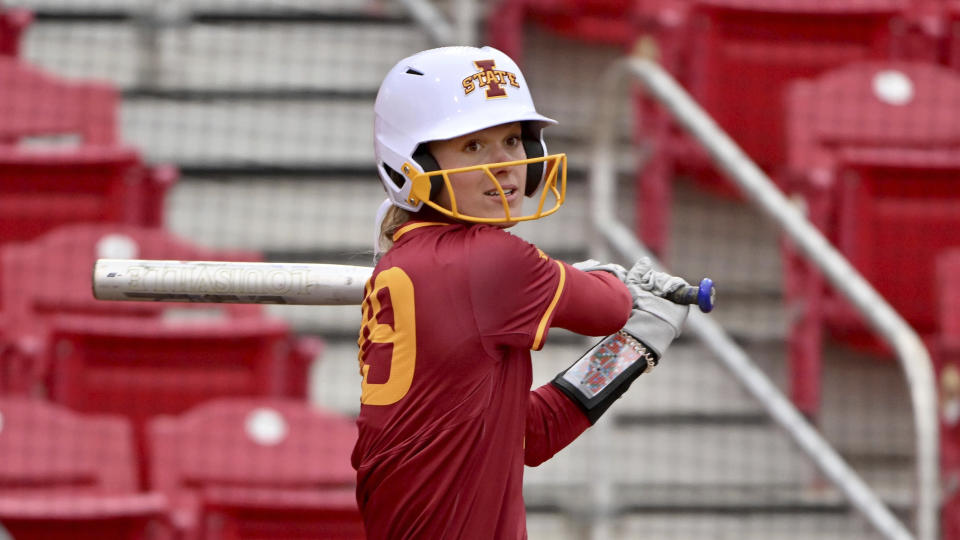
{"type": "Point", "coordinates": [534, 147]}
{"type": "Point", "coordinates": [425, 159]}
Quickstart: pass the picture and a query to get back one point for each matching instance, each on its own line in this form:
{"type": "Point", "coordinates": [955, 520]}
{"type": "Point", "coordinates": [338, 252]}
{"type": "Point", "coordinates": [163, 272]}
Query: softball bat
{"type": "Point", "coordinates": [265, 283]}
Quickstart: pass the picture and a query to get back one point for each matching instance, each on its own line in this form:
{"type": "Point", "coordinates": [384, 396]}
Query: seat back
{"type": "Point", "coordinates": [42, 191]}
{"type": "Point", "coordinates": [743, 54]}
{"type": "Point", "coordinates": [36, 103]}
{"type": "Point", "coordinates": [143, 368]}
{"type": "Point", "coordinates": [48, 450]}
{"type": "Point", "coordinates": [872, 105]}
{"type": "Point", "coordinates": [894, 220]}
{"type": "Point", "coordinates": [595, 21]}
{"type": "Point", "coordinates": [49, 278]}
{"type": "Point", "coordinates": [71, 476]}
{"type": "Point", "coordinates": [51, 274]}
{"type": "Point", "coordinates": [258, 468]}
{"type": "Point", "coordinates": [252, 442]}
{"type": "Point", "coordinates": [82, 172]}
{"type": "Point", "coordinates": [876, 148]}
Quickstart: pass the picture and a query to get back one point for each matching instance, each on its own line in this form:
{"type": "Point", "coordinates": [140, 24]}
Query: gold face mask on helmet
{"type": "Point", "coordinates": [556, 165]}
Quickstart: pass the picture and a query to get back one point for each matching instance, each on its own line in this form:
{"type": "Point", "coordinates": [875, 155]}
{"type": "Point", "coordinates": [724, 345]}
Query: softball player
{"type": "Point", "coordinates": [456, 303]}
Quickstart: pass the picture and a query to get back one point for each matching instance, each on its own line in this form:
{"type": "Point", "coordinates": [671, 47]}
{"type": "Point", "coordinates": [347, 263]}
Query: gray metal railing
{"type": "Point", "coordinates": [913, 358]}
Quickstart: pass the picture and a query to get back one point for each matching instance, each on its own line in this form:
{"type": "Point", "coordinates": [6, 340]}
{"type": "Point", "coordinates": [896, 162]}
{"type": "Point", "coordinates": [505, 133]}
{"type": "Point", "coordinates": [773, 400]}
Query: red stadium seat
{"type": "Point", "coordinates": [62, 160]}
{"type": "Point", "coordinates": [257, 469]}
{"type": "Point", "coordinates": [608, 22]}
{"type": "Point", "coordinates": [736, 57]}
{"type": "Point", "coordinates": [65, 475]}
{"type": "Point", "coordinates": [138, 359]}
{"type": "Point", "coordinates": [872, 151]}
{"type": "Point", "coordinates": [40, 191]}
{"type": "Point", "coordinates": [140, 368]}
{"type": "Point", "coordinates": [13, 21]}
{"type": "Point", "coordinates": [34, 102]}
{"type": "Point", "coordinates": [57, 325]}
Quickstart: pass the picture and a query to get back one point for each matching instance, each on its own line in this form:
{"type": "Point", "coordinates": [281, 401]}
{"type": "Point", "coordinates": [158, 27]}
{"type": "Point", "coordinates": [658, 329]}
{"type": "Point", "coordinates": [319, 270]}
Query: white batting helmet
{"type": "Point", "coordinates": [448, 92]}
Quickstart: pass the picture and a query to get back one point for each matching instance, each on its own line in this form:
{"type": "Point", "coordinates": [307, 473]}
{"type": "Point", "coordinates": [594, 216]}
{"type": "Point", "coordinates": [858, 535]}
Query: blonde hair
{"type": "Point", "coordinates": [392, 220]}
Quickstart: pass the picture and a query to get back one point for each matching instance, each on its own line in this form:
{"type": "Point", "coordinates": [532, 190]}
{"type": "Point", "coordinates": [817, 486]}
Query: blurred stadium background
{"type": "Point", "coordinates": [242, 130]}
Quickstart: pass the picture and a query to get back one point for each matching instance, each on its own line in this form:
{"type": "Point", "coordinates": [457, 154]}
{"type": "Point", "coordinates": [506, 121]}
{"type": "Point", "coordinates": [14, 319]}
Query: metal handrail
{"type": "Point", "coordinates": [913, 357]}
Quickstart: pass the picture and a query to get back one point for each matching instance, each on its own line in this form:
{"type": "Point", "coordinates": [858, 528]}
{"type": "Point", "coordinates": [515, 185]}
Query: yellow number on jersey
{"type": "Point", "coordinates": [402, 334]}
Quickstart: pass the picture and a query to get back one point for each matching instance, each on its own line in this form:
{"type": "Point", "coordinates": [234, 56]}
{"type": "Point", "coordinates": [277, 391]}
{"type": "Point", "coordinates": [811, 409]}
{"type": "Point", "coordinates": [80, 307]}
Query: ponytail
{"type": "Point", "coordinates": [392, 220]}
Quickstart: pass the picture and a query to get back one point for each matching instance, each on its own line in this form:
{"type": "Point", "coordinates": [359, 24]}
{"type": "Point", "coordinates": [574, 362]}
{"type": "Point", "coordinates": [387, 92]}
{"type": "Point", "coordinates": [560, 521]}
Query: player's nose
{"type": "Point", "coordinates": [504, 154]}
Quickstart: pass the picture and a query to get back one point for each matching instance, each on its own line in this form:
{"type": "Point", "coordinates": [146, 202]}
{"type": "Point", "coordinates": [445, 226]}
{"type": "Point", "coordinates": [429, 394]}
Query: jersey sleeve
{"type": "Point", "coordinates": [514, 289]}
{"type": "Point", "coordinates": [593, 303]}
{"type": "Point", "coordinates": [553, 422]}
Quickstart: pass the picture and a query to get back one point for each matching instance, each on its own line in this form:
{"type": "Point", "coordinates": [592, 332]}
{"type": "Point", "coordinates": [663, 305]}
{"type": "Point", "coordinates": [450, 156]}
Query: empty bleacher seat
{"type": "Point", "coordinates": [257, 469]}
{"type": "Point", "coordinates": [137, 359]}
{"type": "Point", "coordinates": [65, 475]}
{"type": "Point", "coordinates": [38, 103]}
{"type": "Point", "coordinates": [606, 22]}
{"type": "Point", "coordinates": [872, 153]}
{"type": "Point", "coordinates": [62, 159]}
{"type": "Point", "coordinates": [736, 57]}
{"type": "Point", "coordinates": [134, 348]}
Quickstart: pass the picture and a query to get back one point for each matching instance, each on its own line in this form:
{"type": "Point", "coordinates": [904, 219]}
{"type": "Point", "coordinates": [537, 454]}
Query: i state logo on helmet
{"type": "Point", "coordinates": [490, 78]}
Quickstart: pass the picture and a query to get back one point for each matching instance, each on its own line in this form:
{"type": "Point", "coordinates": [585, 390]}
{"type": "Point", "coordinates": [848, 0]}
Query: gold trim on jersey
{"type": "Point", "coordinates": [542, 327]}
{"type": "Point", "coordinates": [411, 226]}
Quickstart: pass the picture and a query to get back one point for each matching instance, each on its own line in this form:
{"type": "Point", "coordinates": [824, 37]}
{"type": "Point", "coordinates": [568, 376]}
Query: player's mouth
{"type": "Point", "coordinates": [509, 191]}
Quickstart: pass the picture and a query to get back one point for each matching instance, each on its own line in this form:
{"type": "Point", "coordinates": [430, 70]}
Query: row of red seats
{"type": "Point", "coordinates": [138, 359]}
{"type": "Point", "coordinates": [231, 468]}
{"type": "Point", "coordinates": [736, 58]}
{"type": "Point", "coordinates": [62, 157]}
{"type": "Point", "coordinates": [924, 28]}
{"type": "Point", "coordinates": [873, 153]}
{"type": "Point", "coordinates": [852, 107]}
{"type": "Point", "coordinates": [63, 207]}
{"type": "Point", "coordinates": [90, 390]}
{"type": "Point", "coordinates": [869, 145]}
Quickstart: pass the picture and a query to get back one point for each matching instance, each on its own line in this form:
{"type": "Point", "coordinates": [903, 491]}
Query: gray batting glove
{"type": "Point", "coordinates": [642, 276]}
{"type": "Point", "coordinates": [591, 265]}
{"type": "Point", "coordinates": [655, 321]}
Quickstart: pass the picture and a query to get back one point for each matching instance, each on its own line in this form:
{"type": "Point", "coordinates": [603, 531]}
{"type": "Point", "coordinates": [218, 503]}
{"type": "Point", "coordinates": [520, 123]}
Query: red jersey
{"type": "Point", "coordinates": [450, 315]}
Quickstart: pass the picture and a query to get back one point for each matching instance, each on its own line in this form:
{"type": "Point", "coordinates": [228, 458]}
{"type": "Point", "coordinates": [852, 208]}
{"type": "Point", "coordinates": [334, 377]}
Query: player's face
{"type": "Point", "coordinates": [475, 192]}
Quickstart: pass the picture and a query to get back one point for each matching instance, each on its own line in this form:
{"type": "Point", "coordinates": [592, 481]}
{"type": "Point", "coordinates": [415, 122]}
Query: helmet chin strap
{"type": "Point", "coordinates": [378, 224]}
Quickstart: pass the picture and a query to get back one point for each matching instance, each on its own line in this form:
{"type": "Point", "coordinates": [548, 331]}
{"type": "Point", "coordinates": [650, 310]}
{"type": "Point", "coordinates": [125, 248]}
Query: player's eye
{"type": "Point", "coordinates": [513, 141]}
{"type": "Point", "coordinates": [472, 145]}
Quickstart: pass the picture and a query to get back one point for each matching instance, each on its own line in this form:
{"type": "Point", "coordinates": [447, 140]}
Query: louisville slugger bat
{"type": "Point", "coordinates": [229, 282]}
{"type": "Point", "coordinates": [265, 283]}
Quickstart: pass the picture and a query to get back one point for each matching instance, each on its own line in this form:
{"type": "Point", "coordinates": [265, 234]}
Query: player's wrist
{"type": "Point", "coordinates": [605, 372]}
{"type": "Point", "coordinates": [655, 321]}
